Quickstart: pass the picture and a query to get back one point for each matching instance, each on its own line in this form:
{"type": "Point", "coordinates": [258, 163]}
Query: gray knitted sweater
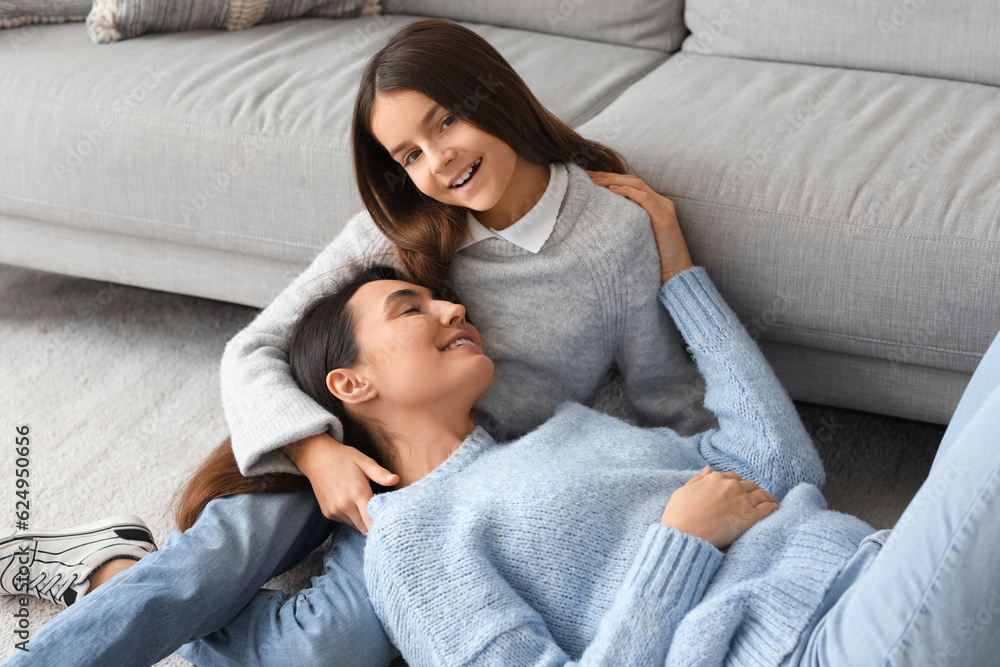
{"type": "Point", "coordinates": [553, 323]}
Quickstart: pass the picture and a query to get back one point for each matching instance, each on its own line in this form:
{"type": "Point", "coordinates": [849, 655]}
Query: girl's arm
{"type": "Point", "coordinates": [662, 382]}
{"type": "Point", "coordinates": [760, 435]}
{"type": "Point", "coordinates": [264, 407]}
{"type": "Point", "coordinates": [466, 613]}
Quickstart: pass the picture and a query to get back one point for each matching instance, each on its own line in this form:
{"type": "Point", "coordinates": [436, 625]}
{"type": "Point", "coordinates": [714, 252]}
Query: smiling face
{"type": "Point", "coordinates": [408, 357]}
{"type": "Point", "coordinates": [437, 148]}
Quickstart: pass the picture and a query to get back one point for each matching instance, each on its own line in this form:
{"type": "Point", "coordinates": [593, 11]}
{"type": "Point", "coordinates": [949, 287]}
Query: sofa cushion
{"type": "Point", "coordinates": [649, 24]}
{"type": "Point", "coordinates": [841, 210]}
{"type": "Point", "coordinates": [228, 141]}
{"type": "Point", "coordinates": [114, 20]}
{"type": "Point", "coordinates": [950, 40]}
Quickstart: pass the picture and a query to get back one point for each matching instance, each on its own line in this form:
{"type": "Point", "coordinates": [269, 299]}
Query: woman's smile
{"type": "Point", "coordinates": [461, 342]}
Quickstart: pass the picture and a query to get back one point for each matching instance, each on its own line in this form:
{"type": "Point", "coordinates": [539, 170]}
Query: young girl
{"type": "Point", "coordinates": [487, 201]}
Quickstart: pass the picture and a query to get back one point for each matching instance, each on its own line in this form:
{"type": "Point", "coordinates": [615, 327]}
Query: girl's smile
{"type": "Point", "coordinates": [464, 181]}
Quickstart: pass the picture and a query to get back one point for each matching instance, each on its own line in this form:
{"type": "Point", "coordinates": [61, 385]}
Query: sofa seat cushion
{"type": "Point", "coordinates": [235, 142]}
{"type": "Point", "coordinates": [848, 211]}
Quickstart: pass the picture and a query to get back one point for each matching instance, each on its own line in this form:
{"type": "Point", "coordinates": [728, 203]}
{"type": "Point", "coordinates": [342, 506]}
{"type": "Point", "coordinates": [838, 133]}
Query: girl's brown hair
{"type": "Point", "coordinates": [462, 72]}
{"type": "Point", "coordinates": [322, 339]}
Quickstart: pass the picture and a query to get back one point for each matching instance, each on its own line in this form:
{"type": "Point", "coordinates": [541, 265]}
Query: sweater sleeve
{"type": "Point", "coordinates": [472, 616]}
{"type": "Point", "coordinates": [264, 406]}
{"type": "Point", "coordinates": [661, 381]}
{"type": "Point", "coordinates": [760, 435]}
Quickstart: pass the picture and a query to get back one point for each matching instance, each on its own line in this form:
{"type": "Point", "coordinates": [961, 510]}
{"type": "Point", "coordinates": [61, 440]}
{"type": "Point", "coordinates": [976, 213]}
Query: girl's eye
{"type": "Point", "coordinates": [412, 309]}
{"type": "Point", "coordinates": [407, 160]}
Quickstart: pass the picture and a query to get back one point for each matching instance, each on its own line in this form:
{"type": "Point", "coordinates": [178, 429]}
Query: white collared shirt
{"type": "Point", "coordinates": [535, 226]}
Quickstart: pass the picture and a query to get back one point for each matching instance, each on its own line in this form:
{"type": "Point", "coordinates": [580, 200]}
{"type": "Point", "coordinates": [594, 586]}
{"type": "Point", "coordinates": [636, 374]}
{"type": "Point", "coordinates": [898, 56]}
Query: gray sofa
{"type": "Point", "coordinates": [835, 165]}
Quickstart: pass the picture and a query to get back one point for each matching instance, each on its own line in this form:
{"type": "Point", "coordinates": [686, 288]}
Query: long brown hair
{"type": "Point", "coordinates": [322, 339]}
{"type": "Point", "coordinates": [462, 72]}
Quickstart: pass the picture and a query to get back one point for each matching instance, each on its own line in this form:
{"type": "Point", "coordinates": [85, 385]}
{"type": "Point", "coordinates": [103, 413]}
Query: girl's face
{"type": "Point", "coordinates": [437, 149]}
{"type": "Point", "coordinates": [406, 335]}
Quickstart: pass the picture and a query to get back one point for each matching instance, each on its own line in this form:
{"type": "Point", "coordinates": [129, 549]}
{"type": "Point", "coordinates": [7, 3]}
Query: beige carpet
{"type": "Point", "coordinates": [119, 387]}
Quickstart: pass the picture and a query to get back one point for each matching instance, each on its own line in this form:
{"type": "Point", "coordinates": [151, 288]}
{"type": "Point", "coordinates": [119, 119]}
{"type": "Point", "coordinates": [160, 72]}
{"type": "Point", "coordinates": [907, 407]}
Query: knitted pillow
{"type": "Point", "coordinates": [22, 12]}
{"type": "Point", "coordinates": [114, 20]}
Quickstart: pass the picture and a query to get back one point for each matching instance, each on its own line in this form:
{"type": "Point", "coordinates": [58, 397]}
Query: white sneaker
{"type": "Point", "coordinates": [55, 565]}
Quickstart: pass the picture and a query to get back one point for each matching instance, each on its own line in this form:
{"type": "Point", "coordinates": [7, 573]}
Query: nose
{"type": "Point", "coordinates": [440, 157]}
{"type": "Point", "coordinates": [452, 313]}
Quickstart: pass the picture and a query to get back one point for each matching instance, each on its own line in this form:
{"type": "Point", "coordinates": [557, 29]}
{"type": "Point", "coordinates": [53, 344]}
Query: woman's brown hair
{"type": "Point", "coordinates": [462, 72]}
{"type": "Point", "coordinates": [322, 339]}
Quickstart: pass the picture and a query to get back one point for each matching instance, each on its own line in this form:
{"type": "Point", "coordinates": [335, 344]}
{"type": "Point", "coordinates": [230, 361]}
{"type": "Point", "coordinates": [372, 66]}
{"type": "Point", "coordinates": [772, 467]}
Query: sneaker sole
{"type": "Point", "coordinates": [126, 526]}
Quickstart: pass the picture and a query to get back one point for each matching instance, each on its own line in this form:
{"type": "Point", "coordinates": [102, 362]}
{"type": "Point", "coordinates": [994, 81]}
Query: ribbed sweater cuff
{"type": "Point", "coordinates": [673, 566]}
{"type": "Point", "coordinates": [668, 577]}
{"type": "Point", "coordinates": [700, 312]}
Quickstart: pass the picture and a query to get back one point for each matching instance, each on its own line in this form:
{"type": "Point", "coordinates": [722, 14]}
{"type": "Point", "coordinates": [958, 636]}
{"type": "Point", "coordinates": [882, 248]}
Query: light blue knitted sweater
{"type": "Point", "coordinates": [548, 549]}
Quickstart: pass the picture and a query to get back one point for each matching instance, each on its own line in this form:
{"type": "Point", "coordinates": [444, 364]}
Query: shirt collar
{"type": "Point", "coordinates": [535, 227]}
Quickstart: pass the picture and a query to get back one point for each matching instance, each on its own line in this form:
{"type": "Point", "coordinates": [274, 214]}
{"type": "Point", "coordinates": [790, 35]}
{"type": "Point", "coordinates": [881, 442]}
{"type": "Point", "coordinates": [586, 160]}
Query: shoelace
{"type": "Point", "coordinates": [46, 589]}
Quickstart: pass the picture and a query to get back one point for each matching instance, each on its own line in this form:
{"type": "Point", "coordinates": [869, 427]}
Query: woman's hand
{"type": "Point", "coordinates": [339, 477]}
{"type": "Point", "coordinates": [718, 507]}
{"type": "Point", "coordinates": [674, 256]}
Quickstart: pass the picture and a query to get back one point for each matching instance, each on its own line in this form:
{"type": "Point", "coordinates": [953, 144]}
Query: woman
{"type": "Point", "coordinates": [554, 546]}
{"type": "Point", "coordinates": [591, 540]}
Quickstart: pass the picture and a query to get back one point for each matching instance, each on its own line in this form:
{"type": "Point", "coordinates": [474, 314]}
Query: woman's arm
{"type": "Point", "coordinates": [760, 435]}
{"type": "Point", "coordinates": [264, 406]}
{"type": "Point", "coordinates": [464, 612]}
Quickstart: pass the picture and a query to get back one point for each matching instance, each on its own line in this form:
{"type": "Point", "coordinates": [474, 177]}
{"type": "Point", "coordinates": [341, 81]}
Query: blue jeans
{"type": "Point", "coordinates": [927, 592]}
{"type": "Point", "coordinates": [331, 623]}
{"type": "Point", "coordinates": [198, 582]}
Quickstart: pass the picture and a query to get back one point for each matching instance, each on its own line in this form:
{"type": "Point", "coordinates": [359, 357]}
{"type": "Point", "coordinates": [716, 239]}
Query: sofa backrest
{"type": "Point", "coordinates": [950, 39]}
{"type": "Point", "coordinates": [650, 24]}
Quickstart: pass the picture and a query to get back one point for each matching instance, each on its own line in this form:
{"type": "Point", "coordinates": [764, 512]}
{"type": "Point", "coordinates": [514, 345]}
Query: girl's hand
{"type": "Point", "coordinates": [674, 256]}
{"type": "Point", "coordinates": [718, 507]}
{"type": "Point", "coordinates": [339, 477]}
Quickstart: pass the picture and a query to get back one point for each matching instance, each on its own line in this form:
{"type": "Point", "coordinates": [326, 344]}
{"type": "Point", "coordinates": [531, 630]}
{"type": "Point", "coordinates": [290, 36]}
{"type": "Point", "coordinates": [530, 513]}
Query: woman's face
{"type": "Point", "coordinates": [406, 336]}
{"type": "Point", "coordinates": [436, 148]}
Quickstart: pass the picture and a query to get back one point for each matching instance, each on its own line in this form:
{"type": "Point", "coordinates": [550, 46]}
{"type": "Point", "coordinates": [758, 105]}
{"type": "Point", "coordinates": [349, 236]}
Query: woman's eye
{"type": "Point", "coordinates": [452, 118]}
{"type": "Point", "coordinates": [412, 309]}
{"type": "Point", "coordinates": [406, 160]}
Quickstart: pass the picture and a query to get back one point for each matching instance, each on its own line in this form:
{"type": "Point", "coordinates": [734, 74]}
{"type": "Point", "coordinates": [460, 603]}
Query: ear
{"type": "Point", "coordinates": [350, 386]}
